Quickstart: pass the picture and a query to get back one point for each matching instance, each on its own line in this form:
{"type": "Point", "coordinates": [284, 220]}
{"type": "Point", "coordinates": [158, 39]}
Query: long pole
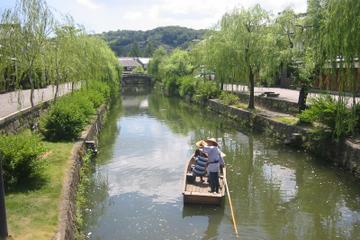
{"type": "Point", "coordinates": [3, 223]}
{"type": "Point", "coordinates": [231, 208]}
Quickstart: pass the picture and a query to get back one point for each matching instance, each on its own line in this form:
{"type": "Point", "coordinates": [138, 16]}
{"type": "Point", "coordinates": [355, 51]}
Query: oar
{"type": "Point", "coordinates": [231, 208]}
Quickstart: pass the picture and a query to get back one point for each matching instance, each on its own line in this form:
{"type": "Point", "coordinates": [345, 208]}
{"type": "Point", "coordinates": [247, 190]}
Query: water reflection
{"type": "Point", "coordinates": [278, 193]}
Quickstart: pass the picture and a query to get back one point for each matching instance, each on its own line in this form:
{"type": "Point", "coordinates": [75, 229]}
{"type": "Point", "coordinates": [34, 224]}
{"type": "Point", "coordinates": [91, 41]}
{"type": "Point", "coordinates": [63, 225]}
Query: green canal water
{"type": "Point", "coordinates": [277, 192]}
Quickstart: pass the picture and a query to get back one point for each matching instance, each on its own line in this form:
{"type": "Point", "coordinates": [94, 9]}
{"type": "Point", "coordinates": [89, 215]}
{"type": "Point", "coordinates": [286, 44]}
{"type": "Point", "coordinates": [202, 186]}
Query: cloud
{"type": "Point", "coordinates": [89, 4]}
{"type": "Point", "coordinates": [149, 14]}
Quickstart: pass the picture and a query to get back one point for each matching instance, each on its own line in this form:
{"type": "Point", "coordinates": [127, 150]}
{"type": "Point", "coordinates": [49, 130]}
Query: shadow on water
{"type": "Point", "coordinates": [215, 216]}
{"type": "Point", "coordinates": [277, 192]}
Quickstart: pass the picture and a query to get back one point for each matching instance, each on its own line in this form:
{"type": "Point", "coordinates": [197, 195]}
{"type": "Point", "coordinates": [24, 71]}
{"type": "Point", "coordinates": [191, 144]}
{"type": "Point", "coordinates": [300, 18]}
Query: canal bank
{"type": "Point", "coordinates": [278, 192]}
{"type": "Point", "coordinates": [345, 154]}
{"type": "Point", "coordinates": [67, 218]}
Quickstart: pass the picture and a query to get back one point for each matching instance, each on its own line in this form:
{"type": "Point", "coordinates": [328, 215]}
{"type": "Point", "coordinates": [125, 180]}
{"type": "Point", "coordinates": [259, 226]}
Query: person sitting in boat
{"type": "Point", "coordinates": [215, 161]}
{"type": "Point", "coordinates": [200, 164]}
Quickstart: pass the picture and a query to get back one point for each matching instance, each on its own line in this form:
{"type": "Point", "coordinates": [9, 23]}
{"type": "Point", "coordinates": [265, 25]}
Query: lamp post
{"type": "Point", "coordinates": [3, 223]}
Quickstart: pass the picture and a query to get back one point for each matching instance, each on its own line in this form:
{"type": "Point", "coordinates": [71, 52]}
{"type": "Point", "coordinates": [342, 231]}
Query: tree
{"type": "Point", "coordinates": [243, 37]}
{"type": "Point", "coordinates": [153, 67]}
{"type": "Point", "coordinates": [149, 49]}
{"type": "Point", "coordinates": [134, 51]}
{"type": "Point", "coordinates": [33, 21]}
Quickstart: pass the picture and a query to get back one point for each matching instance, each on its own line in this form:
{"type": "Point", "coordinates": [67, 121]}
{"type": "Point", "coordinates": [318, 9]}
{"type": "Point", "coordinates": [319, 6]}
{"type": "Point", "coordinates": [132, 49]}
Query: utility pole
{"type": "Point", "coordinates": [3, 223]}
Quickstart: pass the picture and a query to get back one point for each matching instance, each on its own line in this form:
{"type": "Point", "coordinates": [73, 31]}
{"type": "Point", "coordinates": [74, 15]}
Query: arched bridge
{"type": "Point", "coordinates": [136, 79]}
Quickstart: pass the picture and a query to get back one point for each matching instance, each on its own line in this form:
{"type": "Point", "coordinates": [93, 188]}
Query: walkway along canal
{"type": "Point", "coordinates": [277, 192]}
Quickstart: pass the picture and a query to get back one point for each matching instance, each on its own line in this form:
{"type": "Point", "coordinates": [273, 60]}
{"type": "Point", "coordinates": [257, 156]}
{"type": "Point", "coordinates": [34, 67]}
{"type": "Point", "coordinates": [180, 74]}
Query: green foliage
{"type": "Point", "coordinates": [135, 51]}
{"type": "Point", "coordinates": [82, 199]}
{"type": "Point", "coordinates": [206, 90]}
{"type": "Point", "coordinates": [138, 69]}
{"type": "Point", "coordinates": [331, 113]}
{"type": "Point", "coordinates": [229, 98]}
{"type": "Point", "coordinates": [187, 86]}
{"type": "Point", "coordinates": [64, 121]}
{"type": "Point", "coordinates": [177, 64]}
{"type": "Point", "coordinates": [20, 155]}
{"type": "Point", "coordinates": [287, 119]}
{"type": "Point", "coordinates": [154, 64]}
{"type": "Point", "coordinates": [37, 50]}
{"type": "Point", "coordinates": [68, 116]}
{"type": "Point", "coordinates": [169, 38]}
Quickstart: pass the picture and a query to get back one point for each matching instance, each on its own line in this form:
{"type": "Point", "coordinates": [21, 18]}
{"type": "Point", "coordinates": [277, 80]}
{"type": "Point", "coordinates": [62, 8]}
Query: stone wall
{"type": "Point", "coordinates": [67, 223]}
{"type": "Point", "coordinates": [344, 154]}
{"type": "Point", "coordinates": [25, 119]}
{"type": "Point", "coordinates": [289, 134]}
{"type": "Point", "coordinates": [272, 103]}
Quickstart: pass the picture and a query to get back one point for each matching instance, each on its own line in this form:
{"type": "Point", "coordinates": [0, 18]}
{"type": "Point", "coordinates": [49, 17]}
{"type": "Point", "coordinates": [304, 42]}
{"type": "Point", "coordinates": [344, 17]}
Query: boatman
{"type": "Point", "coordinates": [215, 161]}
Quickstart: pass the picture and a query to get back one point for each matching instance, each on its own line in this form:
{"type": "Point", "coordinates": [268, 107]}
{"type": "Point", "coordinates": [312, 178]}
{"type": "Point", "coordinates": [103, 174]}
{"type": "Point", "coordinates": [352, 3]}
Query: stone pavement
{"type": "Point", "coordinates": [13, 102]}
{"type": "Point", "coordinates": [289, 95]}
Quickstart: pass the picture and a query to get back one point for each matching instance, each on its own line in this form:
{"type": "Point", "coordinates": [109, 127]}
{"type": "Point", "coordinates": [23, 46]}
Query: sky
{"type": "Point", "coordinates": [104, 15]}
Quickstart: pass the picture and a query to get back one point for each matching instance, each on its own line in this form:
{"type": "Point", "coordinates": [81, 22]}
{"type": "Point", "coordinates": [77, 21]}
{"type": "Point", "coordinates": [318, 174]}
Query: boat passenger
{"type": "Point", "coordinates": [215, 161]}
{"type": "Point", "coordinates": [200, 164]}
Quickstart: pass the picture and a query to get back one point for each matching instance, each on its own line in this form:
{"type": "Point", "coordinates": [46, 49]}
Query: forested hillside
{"type": "Point", "coordinates": [143, 43]}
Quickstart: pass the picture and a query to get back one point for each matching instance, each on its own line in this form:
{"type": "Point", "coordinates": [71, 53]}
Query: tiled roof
{"type": "Point", "coordinates": [129, 62]}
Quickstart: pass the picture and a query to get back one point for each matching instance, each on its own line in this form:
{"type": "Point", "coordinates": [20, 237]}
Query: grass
{"type": "Point", "coordinates": [288, 120]}
{"type": "Point", "coordinates": [33, 214]}
{"type": "Point", "coordinates": [241, 105]}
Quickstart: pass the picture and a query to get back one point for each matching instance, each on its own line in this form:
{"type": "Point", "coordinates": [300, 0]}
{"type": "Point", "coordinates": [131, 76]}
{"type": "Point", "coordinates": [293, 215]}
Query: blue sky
{"type": "Point", "coordinates": [103, 15]}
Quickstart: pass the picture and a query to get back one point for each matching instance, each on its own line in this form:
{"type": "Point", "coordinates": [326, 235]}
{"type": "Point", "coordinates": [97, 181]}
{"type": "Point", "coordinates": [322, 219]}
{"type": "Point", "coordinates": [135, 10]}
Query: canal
{"type": "Point", "coordinates": [277, 192]}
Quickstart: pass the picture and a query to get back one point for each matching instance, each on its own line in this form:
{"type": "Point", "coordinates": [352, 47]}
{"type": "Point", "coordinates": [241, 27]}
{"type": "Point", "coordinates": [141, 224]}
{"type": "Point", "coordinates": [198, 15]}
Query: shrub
{"type": "Point", "coordinates": [20, 156]}
{"type": "Point", "coordinates": [83, 100]}
{"type": "Point", "coordinates": [171, 86]}
{"type": "Point", "coordinates": [64, 121]}
{"type": "Point", "coordinates": [100, 87]}
{"type": "Point", "coordinates": [187, 86]}
{"type": "Point", "coordinates": [206, 90]}
{"type": "Point", "coordinates": [229, 98]}
{"type": "Point", "coordinates": [138, 69]}
{"type": "Point", "coordinates": [327, 111]}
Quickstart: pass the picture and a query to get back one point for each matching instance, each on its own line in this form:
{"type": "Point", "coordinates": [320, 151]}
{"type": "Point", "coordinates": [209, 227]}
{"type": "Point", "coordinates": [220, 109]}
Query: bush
{"type": "Point", "coordinates": [171, 86]}
{"type": "Point", "coordinates": [229, 98]}
{"type": "Point", "coordinates": [187, 86]}
{"type": "Point", "coordinates": [64, 121]}
{"type": "Point", "coordinates": [206, 90]}
{"type": "Point", "coordinates": [68, 116]}
{"type": "Point", "coordinates": [83, 100]}
{"type": "Point", "coordinates": [20, 156]}
{"type": "Point", "coordinates": [331, 113]}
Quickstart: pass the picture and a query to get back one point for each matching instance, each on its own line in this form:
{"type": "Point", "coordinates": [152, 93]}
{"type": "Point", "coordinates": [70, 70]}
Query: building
{"type": "Point", "coordinates": [130, 63]}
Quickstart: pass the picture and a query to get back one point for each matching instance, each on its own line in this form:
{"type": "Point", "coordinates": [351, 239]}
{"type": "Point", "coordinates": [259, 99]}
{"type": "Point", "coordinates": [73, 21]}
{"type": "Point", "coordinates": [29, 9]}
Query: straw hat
{"type": "Point", "coordinates": [200, 143]}
{"type": "Point", "coordinates": [212, 140]}
{"type": "Point", "coordinates": [203, 143]}
{"type": "Point", "coordinates": [206, 142]}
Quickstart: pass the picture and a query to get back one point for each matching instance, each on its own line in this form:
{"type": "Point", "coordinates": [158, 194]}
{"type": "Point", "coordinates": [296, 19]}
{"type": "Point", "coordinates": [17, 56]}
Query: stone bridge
{"type": "Point", "coordinates": [135, 79]}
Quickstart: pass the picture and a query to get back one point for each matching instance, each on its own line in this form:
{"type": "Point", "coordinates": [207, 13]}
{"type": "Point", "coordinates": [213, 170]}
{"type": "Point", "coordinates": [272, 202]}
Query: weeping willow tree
{"type": "Point", "coordinates": [27, 28]}
{"type": "Point", "coordinates": [340, 35]}
{"type": "Point", "coordinates": [36, 50]}
{"type": "Point", "coordinates": [237, 49]}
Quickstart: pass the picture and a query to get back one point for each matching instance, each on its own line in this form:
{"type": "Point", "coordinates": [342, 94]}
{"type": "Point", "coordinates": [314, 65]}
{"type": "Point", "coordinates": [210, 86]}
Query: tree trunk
{"type": "Point", "coordinates": [56, 90]}
{"type": "Point", "coordinates": [252, 86]}
{"type": "Point", "coordinates": [302, 98]}
{"type": "Point", "coordinates": [31, 91]}
{"type": "Point", "coordinates": [72, 86]}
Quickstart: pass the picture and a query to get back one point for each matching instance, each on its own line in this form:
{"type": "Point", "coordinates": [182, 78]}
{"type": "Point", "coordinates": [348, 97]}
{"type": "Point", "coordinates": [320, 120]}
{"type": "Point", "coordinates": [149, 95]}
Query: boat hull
{"type": "Point", "coordinates": [197, 192]}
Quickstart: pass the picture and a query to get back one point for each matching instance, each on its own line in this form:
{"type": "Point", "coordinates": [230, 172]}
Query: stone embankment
{"type": "Point", "coordinates": [67, 223]}
{"type": "Point", "coordinates": [345, 154]}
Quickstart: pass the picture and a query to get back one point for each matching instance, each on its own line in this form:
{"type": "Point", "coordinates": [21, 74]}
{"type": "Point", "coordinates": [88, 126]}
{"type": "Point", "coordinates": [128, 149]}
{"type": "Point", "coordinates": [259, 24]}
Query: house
{"type": "Point", "coordinates": [129, 64]}
{"type": "Point", "coordinates": [144, 62]}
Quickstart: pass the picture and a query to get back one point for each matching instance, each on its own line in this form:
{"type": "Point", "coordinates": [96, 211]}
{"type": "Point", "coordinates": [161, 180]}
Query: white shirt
{"type": "Point", "coordinates": [214, 158]}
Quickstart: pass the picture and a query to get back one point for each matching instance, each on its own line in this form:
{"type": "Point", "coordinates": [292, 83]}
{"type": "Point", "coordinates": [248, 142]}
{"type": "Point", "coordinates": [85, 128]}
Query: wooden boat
{"type": "Point", "coordinates": [196, 192]}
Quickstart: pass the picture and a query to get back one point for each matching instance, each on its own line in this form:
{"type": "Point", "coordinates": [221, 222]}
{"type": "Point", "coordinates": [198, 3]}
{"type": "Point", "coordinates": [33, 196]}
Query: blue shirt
{"type": "Point", "coordinates": [214, 158]}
